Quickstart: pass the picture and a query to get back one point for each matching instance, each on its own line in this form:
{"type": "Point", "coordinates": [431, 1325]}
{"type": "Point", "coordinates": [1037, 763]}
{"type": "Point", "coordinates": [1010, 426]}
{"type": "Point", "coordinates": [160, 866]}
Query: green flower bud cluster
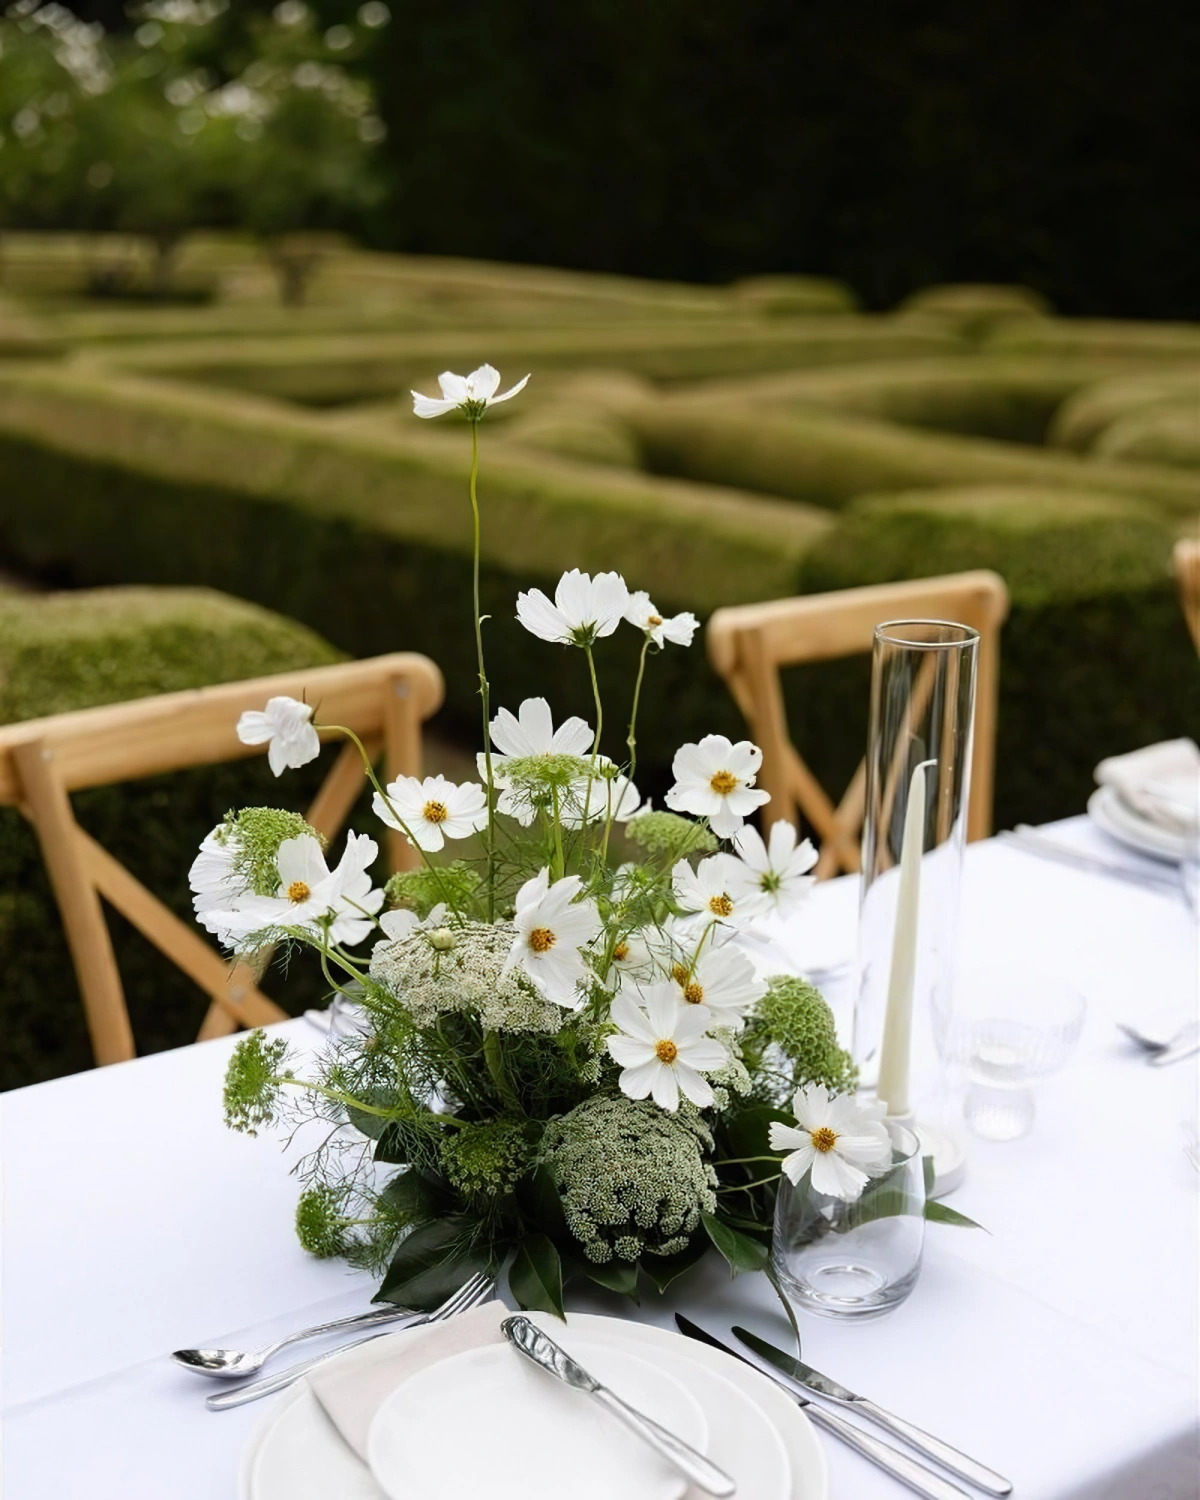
{"type": "Point", "coordinates": [668, 834]}
{"type": "Point", "coordinates": [253, 1081]}
{"type": "Point", "coordinates": [797, 1019]}
{"type": "Point", "coordinates": [633, 1179]}
{"type": "Point", "coordinates": [421, 890]}
{"type": "Point", "coordinates": [531, 774]}
{"type": "Point", "coordinates": [430, 982]}
{"type": "Point", "coordinates": [253, 837]}
{"type": "Point", "coordinates": [490, 1158]}
{"type": "Point", "coordinates": [320, 1224]}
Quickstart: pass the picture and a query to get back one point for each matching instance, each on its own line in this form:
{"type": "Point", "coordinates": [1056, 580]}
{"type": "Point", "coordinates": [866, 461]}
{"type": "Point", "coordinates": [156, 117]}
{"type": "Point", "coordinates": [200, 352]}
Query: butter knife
{"type": "Point", "coordinates": [907, 1470]}
{"type": "Point", "coordinates": [942, 1453]}
{"type": "Point", "coordinates": [547, 1355]}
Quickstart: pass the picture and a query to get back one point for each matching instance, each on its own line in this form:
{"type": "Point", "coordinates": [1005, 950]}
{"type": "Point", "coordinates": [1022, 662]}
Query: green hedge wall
{"type": "Point", "coordinates": [364, 542]}
{"type": "Point", "coordinates": [1084, 416]}
{"type": "Point", "coordinates": [60, 652]}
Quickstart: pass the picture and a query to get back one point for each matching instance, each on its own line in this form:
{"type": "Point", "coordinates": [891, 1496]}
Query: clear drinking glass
{"type": "Point", "coordinates": [1011, 1029]}
{"type": "Point", "coordinates": [919, 742]}
{"type": "Point", "coordinates": [853, 1260]}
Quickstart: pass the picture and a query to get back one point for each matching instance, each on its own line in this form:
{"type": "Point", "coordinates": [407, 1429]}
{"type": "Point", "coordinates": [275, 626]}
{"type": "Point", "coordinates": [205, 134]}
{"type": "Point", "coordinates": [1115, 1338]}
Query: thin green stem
{"type": "Point", "coordinates": [745, 1187]}
{"type": "Point", "coordinates": [483, 682]}
{"type": "Point", "coordinates": [587, 798]}
{"type": "Point", "coordinates": [738, 1161]}
{"type": "Point", "coordinates": [631, 740]}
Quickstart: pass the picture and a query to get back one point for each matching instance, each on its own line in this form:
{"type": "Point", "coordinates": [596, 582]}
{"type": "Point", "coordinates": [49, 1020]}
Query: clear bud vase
{"type": "Point", "coordinates": [918, 777]}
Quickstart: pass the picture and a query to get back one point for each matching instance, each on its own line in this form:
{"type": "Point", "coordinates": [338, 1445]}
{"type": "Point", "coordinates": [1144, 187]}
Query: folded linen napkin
{"type": "Point", "coordinates": [352, 1392]}
{"type": "Point", "coordinates": [1161, 783]}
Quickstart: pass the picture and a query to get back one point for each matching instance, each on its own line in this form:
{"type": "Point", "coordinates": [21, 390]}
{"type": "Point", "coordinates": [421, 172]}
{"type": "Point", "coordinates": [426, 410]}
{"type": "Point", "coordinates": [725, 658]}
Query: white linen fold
{"type": "Point", "coordinates": [352, 1391]}
{"type": "Point", "coordinates": [1160, 782]}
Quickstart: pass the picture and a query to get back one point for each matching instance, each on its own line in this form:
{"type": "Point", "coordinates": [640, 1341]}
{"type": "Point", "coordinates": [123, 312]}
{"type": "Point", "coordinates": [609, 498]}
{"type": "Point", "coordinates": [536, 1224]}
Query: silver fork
{"type": "Point", "coordinates": [470, 1294]}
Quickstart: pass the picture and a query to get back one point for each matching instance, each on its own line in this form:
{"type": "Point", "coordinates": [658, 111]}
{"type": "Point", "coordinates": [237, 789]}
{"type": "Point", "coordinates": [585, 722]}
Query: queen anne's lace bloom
{"type": "Point", "coordinates": [430, 980]}
{"type": "Point", "coordinates": [633, 1180]}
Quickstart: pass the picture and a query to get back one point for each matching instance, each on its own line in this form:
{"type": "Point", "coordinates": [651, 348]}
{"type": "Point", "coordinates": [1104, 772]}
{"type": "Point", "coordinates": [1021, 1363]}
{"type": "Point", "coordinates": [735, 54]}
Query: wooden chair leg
{"type": "Point", "coordinates": [88, 938]}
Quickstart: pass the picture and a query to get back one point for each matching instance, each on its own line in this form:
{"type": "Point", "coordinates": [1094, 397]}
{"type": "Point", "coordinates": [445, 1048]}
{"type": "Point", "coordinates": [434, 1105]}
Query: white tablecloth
{"type": "Point", "coordinates": [1061, 1348]}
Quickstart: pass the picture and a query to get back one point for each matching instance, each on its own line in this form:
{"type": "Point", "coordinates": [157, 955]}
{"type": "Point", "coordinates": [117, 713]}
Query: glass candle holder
{"type": "Point", "coordinates": [918, 778]}
{"type": "Point", "coordinates": [859, 1259]}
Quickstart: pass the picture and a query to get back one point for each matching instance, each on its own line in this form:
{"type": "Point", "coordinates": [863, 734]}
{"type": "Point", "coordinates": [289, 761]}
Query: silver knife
{"type": "Point", "coordinates": [1181, 1045]}
{"type": "Point", "coordinates": [942, 1453]}
{"type": "Point", "coordinates": [907, 1470]}
{"type": "Point", "coordinates": [545, 1353]}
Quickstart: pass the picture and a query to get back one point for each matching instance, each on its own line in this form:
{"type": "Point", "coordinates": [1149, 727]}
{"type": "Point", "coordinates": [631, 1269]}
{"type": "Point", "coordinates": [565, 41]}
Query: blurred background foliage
{"type": "Point", "coordinates": [890, 143]}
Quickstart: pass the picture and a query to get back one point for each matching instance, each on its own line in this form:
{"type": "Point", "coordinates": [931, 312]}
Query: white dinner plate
{"type": "Point", "coordinates": [1121, 822]}
{"type": "Point", "coordinates": [487, 1422]}
{"type": "Point", "coordinates": [297, 1454]}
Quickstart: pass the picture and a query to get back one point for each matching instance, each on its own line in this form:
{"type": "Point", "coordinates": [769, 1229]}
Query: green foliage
{"type": "Point", "coordinates": [738, 1250]}
{"type": "Point", "coordinates": [633, 1179]}
{"type": "Point", "coordinates": [320, 1223]}
{"type": "Point", "coordinates": [253, 1082]}
{"type": "Point", "coordinates": [255, 834]}
{"type": "Point", "coordinates": [422, 889]}
{"type": "Point", "coordinates": [536, 1276]}
{"type": "Point", "coordinates": [60, 652]}
{"type": "Point", "coordinates": [669, 835]}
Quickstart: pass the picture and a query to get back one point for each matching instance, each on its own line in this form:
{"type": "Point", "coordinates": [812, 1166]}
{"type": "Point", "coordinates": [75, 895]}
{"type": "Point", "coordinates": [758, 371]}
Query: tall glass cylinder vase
{"type": "Point", "coordinates": [918, 778]}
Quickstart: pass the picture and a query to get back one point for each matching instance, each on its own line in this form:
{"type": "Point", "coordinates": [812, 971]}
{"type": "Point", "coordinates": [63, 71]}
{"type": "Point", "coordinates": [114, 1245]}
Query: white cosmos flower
{"type": "Point", "coordinates": [599, 797]}
{"type": "Point", "coordinates": [310, 897]}
{"type": "Point", "coordinates": [433, 810]}
{"type": "Point", "coordinates": [779, 868]}
{"type": "Point", "coordinates": [662, 1048]}
{"type": "Point", "coordinates": [715, 891]}
{"type": "Point", "coordinates": [471, 394]}
{"type": "Point", "coordinates": [584, 608]}
{"type": "Point", "coordinates": [715, 780]}
{"type": "Point", "coordinates": [723, 981]}
{"type": "Point", "coordinates": [286, 729]}
{"type": "Point", "coordinates": [530, 733]}
{"type": "Point", "coordinates": [402, 923]}
{"type": "Point", "coordinates": [552, 926]}
{"type": "Point", "coordinates": [678, 629]}
{"type": "Point", "coordinates": [212, 879]}
{"type": "Point", "coordinates": [842, 1142]}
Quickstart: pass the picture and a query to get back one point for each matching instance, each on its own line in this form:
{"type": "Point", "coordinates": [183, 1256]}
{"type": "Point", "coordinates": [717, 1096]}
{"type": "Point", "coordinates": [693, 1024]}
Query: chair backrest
{"type": "Point", "coordinates": [42, 761]}
{"type": "Point", "coordinates": [1187, 574]}
{"type": "Point", "coordinates": [749, 643]}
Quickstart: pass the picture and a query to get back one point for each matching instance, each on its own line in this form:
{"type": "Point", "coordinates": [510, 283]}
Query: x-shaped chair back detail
{"type": "Point", "coordinates": [384, 700]}
{"type": "Point", "coordinates": [1187, 575]}
{"type": "Point", "coordinates": [749, 643]}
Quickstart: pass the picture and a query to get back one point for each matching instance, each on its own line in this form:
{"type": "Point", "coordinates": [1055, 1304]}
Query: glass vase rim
{"type": "Point", "coordinates": [886, 634]}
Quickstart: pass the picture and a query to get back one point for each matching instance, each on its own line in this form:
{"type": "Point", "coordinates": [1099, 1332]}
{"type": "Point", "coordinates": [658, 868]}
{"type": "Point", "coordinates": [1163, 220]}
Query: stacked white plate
{"type": "Point", "coordinates": [1111, 813]}
{"type": "Point", "coordinates": [485, 1422]}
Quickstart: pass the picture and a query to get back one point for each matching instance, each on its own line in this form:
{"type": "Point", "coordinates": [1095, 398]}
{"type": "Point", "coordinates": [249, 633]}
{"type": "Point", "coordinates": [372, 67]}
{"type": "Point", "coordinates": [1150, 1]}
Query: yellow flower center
{"type": "Point", "coordinates": [541, 940]}
{"type": "Point", "coordinates": [723, 783]}
{"type": "Point", "coordinates": [667, 1051]}
{"type": "Point", "coordinates": [693, 993]}
{"type": "Point", "coordinates": [823, 1139]}
{"type": "Point", "coordinates": [721, 906]}
{"type": "Point", "coordinates": [654, 620]}
{"type": "Point", "coordinates": [621, 953]}
{"type": "Point", "coordinates": [298, 892]}
{"type": "Point", "coordinates": [435, 812]}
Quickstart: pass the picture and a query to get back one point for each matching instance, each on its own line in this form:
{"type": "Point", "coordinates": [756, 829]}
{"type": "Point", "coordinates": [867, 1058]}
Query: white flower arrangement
{"type": "Point", "coordinates": [538, 988]}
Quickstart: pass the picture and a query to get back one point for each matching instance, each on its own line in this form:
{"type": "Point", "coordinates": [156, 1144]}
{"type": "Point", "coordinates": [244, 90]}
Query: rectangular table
{"type": "Point", "coordinates": [1061, 1346]}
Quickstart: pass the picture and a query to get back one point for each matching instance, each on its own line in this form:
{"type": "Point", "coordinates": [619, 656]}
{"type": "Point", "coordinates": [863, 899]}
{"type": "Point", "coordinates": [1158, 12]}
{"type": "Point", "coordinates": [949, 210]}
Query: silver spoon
{"type": "Point", "coordinates": [234, 1364]}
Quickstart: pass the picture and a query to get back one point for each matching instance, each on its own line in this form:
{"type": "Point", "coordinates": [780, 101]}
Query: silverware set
{"type": "Point", "coordinates": [801, 1382]}
{"type": "Point", "coordinates": [230, 1363]}
{"type": "Point", "coordinates": [1031, 841]}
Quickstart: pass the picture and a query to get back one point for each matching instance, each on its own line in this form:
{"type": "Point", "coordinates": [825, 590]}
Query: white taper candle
{"type": "Point", "coordinates": [897, 1026]}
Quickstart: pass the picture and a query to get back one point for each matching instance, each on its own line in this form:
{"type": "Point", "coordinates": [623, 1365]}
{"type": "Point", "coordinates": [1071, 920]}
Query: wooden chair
{"type": "Point", "coordinates": [1187, 574]}
{"type": "Point", "coordinates": [42, 761]}
{"type": "Point", "coordinates": [748, 644]}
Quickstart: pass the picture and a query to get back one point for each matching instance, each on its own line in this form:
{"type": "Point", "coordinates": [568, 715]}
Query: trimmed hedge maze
{"type": "Point", "coordinates": [716, 445]}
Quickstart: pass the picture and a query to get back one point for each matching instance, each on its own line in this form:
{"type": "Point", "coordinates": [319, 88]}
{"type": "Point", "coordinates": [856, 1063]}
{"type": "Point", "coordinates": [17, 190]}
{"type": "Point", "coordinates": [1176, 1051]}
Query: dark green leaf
{"type": "Point", "coordinates": [930, 1174]}
{"type": "Point", "coordinates": [417, 1196]}
{"type": "Point", "coordinates": [663, 1269]}
{"type": "Point", "coordinates": [745, 1133]}
{"type": "Point", "coordinates": [787, 1306]}
{"type": "Point", "coordinates": [938, 1213]}
{"type": "Point", "coordinates": [741, 1252]}
{"type": "Point", "coordinates": [433, 1261]}
{"type": "Point", "coordinates": [540, 1204]}
{"type": "Point", "coordinates": [535, 1276]}
{"type": "Point", "coordinates": [618, 1276]}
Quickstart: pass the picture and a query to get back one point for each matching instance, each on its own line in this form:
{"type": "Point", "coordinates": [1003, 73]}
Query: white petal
{"type": "Point", "coordinates": [695, 1087]}
{"type": "Point", "coordinates": [541, 618]}
{"type": "Point", "coordinates": [454, 387]}
{"type": "Point", "coordinates": [430, 406]}
{"type": "Point", "coordinates": [665, 1088]}
{"type": "Point", "coordinates": [629, 1051]}
{"type": "Point", "coordinates": [637, 1082]}
{"type": "Point", "coordinates": [483, 383]}
{"type": "Point", "coordinates": [795, 1165]}
{"type": "Point", "coordinates": [398, 924]}
{"type": "Point", "coordinates": [513, 390]}
{"type": "Point", "coordinates": [835, 1177]}
{"type": "Point", "coordinates": [783, 1137]}
{"type": "Point", "coordinates": [300, 859]}
{"type": "Point", "coordinates": [254, 728]}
